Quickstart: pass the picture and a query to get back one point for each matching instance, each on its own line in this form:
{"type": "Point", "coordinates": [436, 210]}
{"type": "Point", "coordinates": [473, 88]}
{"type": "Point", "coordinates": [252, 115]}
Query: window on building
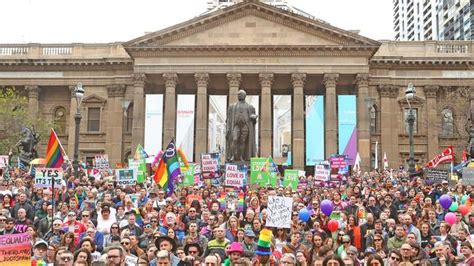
{"type": "Point", "coordinates": [415, 124]}
{"type": "Point", "coordinates": [373, 118]}
{"type": "Point", "coordinates": [129, 119]}
{"type": "Point", "coordinates": [60, 119]}
{"type": "Point", "coordinates": [93, 119]}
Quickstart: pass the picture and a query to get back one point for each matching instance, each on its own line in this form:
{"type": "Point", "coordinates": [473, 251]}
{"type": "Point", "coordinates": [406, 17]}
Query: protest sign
{"type": "Point", "coordinates": [235, 175]}
{"type": "Point", "coordinates": [126, 177]}
{"type": "Point", "coordinates": [16, 249]}
{"type": "Point", "coordinates": [468, 176]}
{"type": "Point", "coordinates": [279, 212]}
{"type": "Point", "coordinates": [338, 161]}
{"type": "Point", "coordinates": [3, 161]}
{"type": "Point", "coordinates": [436, 175]}
{"type": "Point", "coordinates": [291, 178]}
{"type": "Point", "coordinates": [191, 175]}
{"type": "Point", "coordinates": [102, 161]}
{"type": "Point", "coordinates": [140, 165]}
{"type": "Point", "coordinates": [322, 172]}
{"type": "Point", "coordinates": [261, 172]}
{"type": "Point", "coordinates": [210, 164]}
{"type": "Point", "coordinates": [44, 177]}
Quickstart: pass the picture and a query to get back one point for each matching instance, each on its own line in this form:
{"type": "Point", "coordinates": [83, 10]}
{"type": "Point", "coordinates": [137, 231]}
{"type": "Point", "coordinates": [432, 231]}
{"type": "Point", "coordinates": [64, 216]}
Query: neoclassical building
{"type": "Point", "coordinates": [319, 90]}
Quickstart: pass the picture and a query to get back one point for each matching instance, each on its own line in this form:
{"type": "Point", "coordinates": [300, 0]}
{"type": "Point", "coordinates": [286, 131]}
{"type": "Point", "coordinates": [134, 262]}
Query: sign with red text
{"type": "Point", "coordinates": [235, 175]}
{"type": "Point", "coordinates": [16, 250]}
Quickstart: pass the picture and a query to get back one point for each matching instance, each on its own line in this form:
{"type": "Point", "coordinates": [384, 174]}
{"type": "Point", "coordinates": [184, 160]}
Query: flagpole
{"type": "Point", "coordinates": [61, 146]}
{"type": "Point", "coordinates": [376, 163]}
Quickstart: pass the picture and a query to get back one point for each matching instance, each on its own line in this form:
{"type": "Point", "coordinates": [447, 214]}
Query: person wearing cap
{"type": "Point", "coordinates": [39, 251]}
{"type": "Point", "coordinates": [168, 244]}
{"type": "Point", "coordinates": [54, 235]}
{"type": "Point", "coordinates": [76, 227]}
{"type": "Point", "coordinates": [249, 245]}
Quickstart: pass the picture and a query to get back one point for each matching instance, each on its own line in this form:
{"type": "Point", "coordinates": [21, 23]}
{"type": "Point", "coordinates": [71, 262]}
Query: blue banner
{"type": "Point", "coordinates": [314, 129]}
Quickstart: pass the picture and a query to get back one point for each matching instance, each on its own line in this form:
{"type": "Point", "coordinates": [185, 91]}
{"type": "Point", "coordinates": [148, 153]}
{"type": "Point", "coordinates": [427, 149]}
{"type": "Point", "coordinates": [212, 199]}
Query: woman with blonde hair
{"type": "Point", "coordinates": [232, 228]}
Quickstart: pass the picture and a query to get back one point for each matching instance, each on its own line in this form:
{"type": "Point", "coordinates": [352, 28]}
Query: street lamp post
{"type": "Point", "coordinates": [79, 95]}
{"type": "Point", "coordinates": [369, 104]}
{"type": "Point", "coordinates": [410, 94]}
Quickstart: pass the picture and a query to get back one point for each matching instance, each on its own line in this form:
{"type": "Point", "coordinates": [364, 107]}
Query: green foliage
{"type": "Point", "coordinates": [14, 116]}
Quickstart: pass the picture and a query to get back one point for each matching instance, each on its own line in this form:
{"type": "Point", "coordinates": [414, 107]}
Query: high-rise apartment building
{"type": "Point", "coordinates": [213, 5]}
{"type": "Point", "coordinates": [419, 20]}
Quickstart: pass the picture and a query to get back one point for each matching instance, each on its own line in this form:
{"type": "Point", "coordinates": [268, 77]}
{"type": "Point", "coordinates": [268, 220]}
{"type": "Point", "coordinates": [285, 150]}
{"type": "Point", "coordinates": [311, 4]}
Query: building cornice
{"type": "Point", "coordinates": [252, 50]}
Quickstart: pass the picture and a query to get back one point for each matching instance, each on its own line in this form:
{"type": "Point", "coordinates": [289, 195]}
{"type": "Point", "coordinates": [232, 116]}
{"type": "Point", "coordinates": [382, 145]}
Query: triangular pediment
{"type": "Point", "coordinates": [93, 98]}
{"type": "Point", "coordinates": [250, 23]}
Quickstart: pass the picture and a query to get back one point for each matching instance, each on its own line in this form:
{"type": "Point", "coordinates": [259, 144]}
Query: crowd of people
{"type": "Point", "coordinates": [382, 218]}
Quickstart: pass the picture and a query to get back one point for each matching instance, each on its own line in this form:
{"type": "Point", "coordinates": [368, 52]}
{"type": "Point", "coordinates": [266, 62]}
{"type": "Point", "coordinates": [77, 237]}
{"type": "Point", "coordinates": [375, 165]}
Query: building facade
{"type": "Point", "coordinates": [420, 20]}
{"type": "Point", "coordinates": [318, 90]}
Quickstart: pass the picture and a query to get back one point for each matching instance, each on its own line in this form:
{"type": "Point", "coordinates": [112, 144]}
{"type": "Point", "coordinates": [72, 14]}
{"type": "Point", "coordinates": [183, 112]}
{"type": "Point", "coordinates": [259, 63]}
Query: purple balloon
{"type": "Point", "coordinates": [327, 207]}
{"type": "Point", "coordinates": [445, 201]}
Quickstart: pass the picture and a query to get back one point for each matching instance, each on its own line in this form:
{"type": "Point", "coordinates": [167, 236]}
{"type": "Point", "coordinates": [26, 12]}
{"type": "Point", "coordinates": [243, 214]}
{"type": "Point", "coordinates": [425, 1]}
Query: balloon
{"type": "Point", "coordinates": [333, 225]}
{"type": "Point", "coordinates": [454, 206]}
{"type": "Point", "coordinates": [445, 201]}
{"type": "Point", "coordinates": [450, 218]}
{"type": "Point", "coordinates": [463, 209]}
{"type": "Point", "coordinates": [326, 207]}
{"type": "Point", "coordinates": [304, 215]}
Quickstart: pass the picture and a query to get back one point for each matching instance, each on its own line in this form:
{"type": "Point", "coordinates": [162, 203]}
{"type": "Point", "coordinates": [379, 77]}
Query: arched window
{"type": "Point", "coordinates": [447, 122]}
{"type": "Point", "coordinates": [373, 118]}
{"type": "Point", "coordinates": [60, 119]}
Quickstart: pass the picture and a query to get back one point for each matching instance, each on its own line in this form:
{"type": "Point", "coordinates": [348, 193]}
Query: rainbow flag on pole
{"type": "Point", "coordinates": [54, 157]}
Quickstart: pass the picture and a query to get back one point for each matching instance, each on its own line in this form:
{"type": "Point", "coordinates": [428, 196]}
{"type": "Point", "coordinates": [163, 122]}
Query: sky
{"type": "Point", "coordinates": [104, 21]}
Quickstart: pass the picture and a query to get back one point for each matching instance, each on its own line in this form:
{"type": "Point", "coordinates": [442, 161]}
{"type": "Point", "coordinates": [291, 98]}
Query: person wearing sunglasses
{"type": "Point", "coordinates": [126, 244]}
{"type": "Point", "coordinates": [394, 257]}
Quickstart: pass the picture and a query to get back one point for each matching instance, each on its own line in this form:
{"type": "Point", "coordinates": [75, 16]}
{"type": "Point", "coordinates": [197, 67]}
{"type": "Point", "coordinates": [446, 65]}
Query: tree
{"type": "Point", "coordinates": [14, 116]}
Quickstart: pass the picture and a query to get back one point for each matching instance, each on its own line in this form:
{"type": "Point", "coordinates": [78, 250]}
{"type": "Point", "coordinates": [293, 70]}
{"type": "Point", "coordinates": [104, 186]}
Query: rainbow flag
{"type": "Point", "coordinates": [168, 168]}
{"type": "Point", "coordinates": [54, 157]}
{"type": "Point", "coordinates": [161, 175]}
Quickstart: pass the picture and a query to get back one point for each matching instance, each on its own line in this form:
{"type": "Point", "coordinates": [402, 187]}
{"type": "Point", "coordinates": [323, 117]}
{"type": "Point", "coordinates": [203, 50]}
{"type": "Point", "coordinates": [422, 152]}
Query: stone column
{"type": "Point", "coordinates": [432, 113]}
{"type": "Point", "coordinates": [114, 128]}
{"type": "Point", "coordinates": [297, 147]}
{"type": "Point", "coordinates": [234, 80]}
{"type": "Point", "coordinates": [138, 125]}
{"type": "Point", "coordinates": [266, 80]}
{"type": "Point", "coordinates": [169, 124]}
{"type": "Point", "coordinates": [33, 105]}
{"type": "Point", "coordinates": [202, 80]}
{"type": "Point", "coordinates": [330, 114]}
{"type": "Point", "coordinates": [363, 125]}
{"type": "Point", "coordinates": [389, 125]}
{"type": "Point", "coordinates": [71, 123]}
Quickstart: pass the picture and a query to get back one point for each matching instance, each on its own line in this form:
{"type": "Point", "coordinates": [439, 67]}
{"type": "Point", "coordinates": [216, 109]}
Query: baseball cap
{"type": "Point", "coordinates": [249, 233]}
{"type": "Point", "coordinates": [41, 242]}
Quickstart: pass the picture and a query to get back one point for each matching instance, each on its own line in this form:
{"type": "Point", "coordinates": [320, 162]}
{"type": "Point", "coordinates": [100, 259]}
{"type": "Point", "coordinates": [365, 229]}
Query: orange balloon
{"type": "Point", "coordinates": [463, 209]}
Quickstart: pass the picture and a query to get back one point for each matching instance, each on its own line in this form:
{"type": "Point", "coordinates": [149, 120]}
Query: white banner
{"type": "Point", "coordinates": [279, 212]}
{"type": "Point", "coordinates": [321, 172]}
{"type": "Point", "coordinates": [3, 161]}
{"type": "Point", "coordinates": [126, 177]}
{"type": "Point", "coordinates": [102, 161]}
{"type": "Point", "coordinates": [44, 177]}
{"type": "Point", "coordinates": [233, 176]}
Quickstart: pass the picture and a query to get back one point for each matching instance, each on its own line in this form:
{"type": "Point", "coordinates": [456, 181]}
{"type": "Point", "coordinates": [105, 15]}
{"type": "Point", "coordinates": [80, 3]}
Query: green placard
{"type": "Point", "coordinates": [259, 177]}
{"type": "Point", "coordinates": [188, 178]}
{"type": "Point", "coordinates": [140, 165]}
{"type": "Point", "coordinates": [291, 178]}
